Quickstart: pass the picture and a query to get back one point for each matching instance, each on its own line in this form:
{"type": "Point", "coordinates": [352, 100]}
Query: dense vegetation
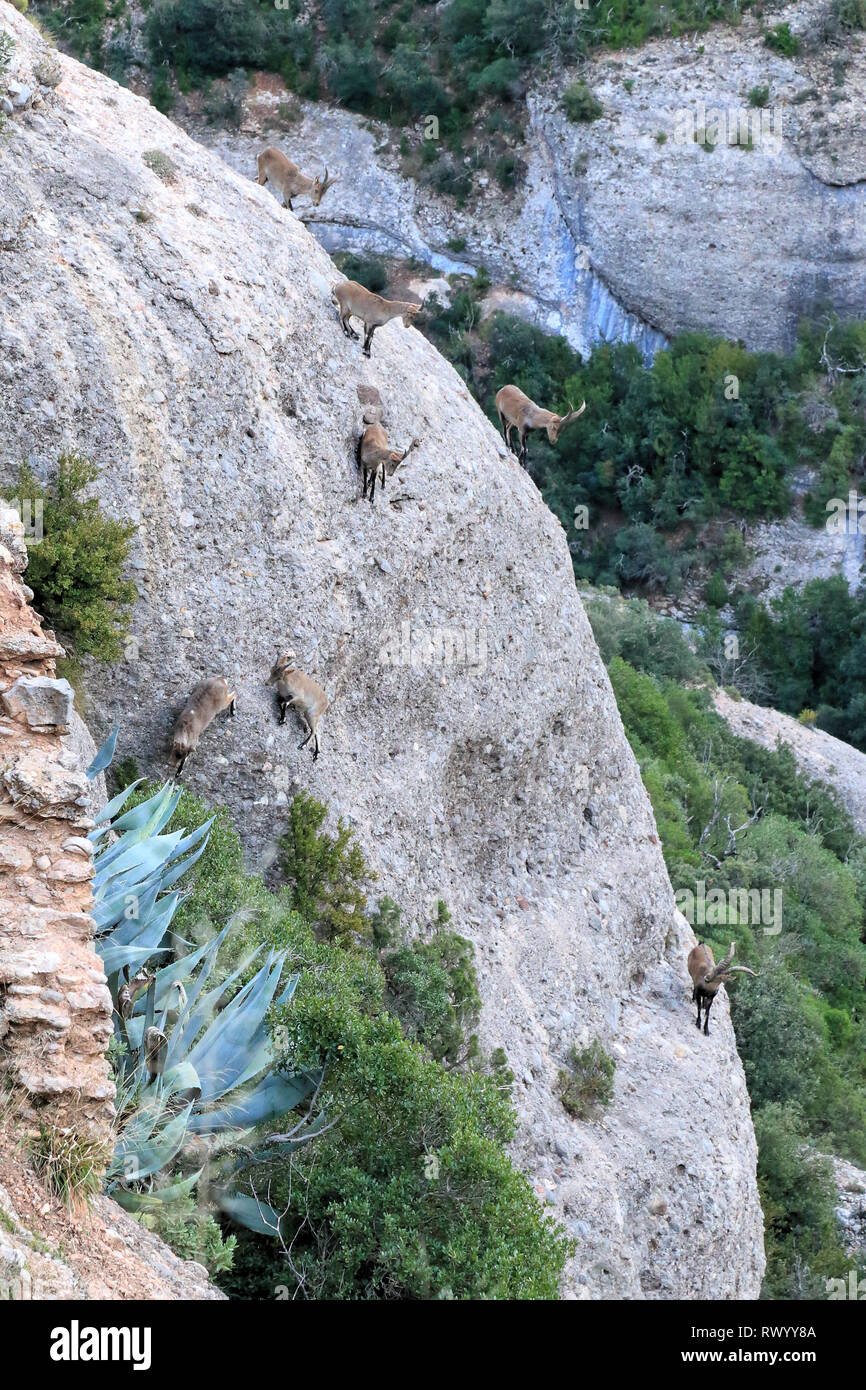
{"type": "Point", "coordinates": [709, 430]}
{"type": "Point", "coordinates": [466, 63]}
{"type": "Point", "coordinates": [75, 568]}
{"type": "Point", "coordinates": [808, 651]}
{"type": "Point", "coordinates": [407, 1191]}
{"type": "Point", "coordinates": [732, 815]}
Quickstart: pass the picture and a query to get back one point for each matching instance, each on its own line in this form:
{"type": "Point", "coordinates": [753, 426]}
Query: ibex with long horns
{"type": "Point", "coordinates": [517, 411]}
{"type": "Point", "coordinates": [288, 179]}
{"type": "Point", "coordinates": [707, 976]}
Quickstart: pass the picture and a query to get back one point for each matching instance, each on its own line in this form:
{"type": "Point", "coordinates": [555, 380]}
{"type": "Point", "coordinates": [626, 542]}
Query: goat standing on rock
{"type": "Point", "coordinates": [352, 300]}
{"type": "Point", "coordinates": [207, 700]}
{"type": "Point", "coordinates": [300, 693]}
{"type": "Point", "coordinates": [707, 976]}
{"type": "Point", "coordinates": [374, 455]}
{"type": "Point", "coordinates": [517, 411]}
{"type": "Point", "coordinates": [288, 179]}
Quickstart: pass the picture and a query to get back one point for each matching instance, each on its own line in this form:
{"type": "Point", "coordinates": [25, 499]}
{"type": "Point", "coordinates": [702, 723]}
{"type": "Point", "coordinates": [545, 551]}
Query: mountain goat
{"type": "Point", "coordinates": [707, 976]}
{"type": "Point", "coordinates": [207, 700]}
{"type": "Point", "coordinates": [376, 458]}
{"type": "Point", "coordinates": [517, 411]}
{"type": "Point", "coordinates": [352, 300]}
{"type": "Point", "coordinates": [301, 693]}
{"type": "Point", "coordinates": [288, 179]}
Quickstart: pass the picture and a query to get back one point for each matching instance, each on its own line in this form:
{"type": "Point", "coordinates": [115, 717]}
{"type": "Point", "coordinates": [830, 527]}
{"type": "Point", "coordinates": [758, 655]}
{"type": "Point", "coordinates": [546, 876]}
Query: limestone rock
{"type": "Point", "coordinates": [44, 703]}
{"type": "Point", "coordinates": [458, 775]}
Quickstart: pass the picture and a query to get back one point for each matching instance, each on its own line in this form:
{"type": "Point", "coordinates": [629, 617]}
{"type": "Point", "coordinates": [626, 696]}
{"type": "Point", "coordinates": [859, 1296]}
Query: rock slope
{"type": "Point", "coordinates": [165, 316]}
{"type": "Point", "coordinates": [760, 236]}
{"type": "Point", "coordinates": [55, 1009]}
{"type": "Point", "coordinates": [819, 755]}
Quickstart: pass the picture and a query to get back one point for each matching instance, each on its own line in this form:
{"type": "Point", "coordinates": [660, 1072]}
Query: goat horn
{"type": "Point", "coordinates": [741, 970]}
{"type": "Point", "coordinates": [723, 965]}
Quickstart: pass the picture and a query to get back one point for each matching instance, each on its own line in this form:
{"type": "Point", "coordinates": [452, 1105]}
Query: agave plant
{"type": "Point", "coordinates": [193, 1061]}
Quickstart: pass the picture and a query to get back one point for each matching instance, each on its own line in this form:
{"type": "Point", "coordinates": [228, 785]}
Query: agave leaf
{"type": "Point", "coordinates": [136, 1157]}
{"type": "Point", "coordinates": [181, 1082]}
{"type": "Point", "coordinates": [114, 958]}
{"type": "Point", "coordinates": [247, 1211]}
{"type": "Point", "coordinates": [273, 1096]}
{"type": "Point", "coordinates": [111, 808]}
{"type": "Point", "coordinates": [152, 1201]}
{"type": "Point", "coordinates": [219, 1056]}
{"type": "Point", "coordinates": [104, 755]}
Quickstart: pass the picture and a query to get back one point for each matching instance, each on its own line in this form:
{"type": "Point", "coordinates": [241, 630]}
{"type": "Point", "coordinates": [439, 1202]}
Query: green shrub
{"type": "Point", "coordinates": [369, 271]}
{"type": "Point", "coordinates": [326, 873]}
{"type": "Point", "coordinates": [433, 990]}
{"type": "Point", "coordinates": [580, 104]}
{"type": "Point", "coordinates": [509, 170]}
{"type": "Point", "coordinates": [759, 96]}
{"type": "Point", "coordinates": [410, 1193]}
{"type": "Point", "coordinates": [162, 165]}
{"type": "Point", "coordinates": [798, 1198]}
{"type": "Point", "coordinates": [586, 1082]}
{"type": "Point", "coordinates": [781, 40]}
{"type": "Point", "coordinates": [75, 571]}
{"type": "Point", "coordinates": [192, 1233]}
{"type": "Point", "coordinates": [70, 1165]}
{"type": "Point", "coordinates": [716, 590]}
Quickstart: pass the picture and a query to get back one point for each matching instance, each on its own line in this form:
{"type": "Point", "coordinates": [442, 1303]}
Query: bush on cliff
{"type": "Point", "coordinates": [76, 569]}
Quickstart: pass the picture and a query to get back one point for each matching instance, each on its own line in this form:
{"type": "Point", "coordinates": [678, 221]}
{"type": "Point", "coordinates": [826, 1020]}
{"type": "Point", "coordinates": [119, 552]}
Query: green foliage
{"type": "Point", "coordinates": [708, 429]}
{"type": "Point", "coordinates": [75, 570]}
{"type": "Point", "coordinates": [716, 590]}
{"type": "Point", "coordinates": [326, 873]}
{"type": "Point", "coordinates": [586, 1082]}
{"type": "Point", "coordinates": [433, 991]}
{"type": "Point", "coordinates": [70, 1165]}
{"type": "Point", "coordinates": [798, 1198]}
{"type": "Point", "coordinates": [798, 1023]}
{"type": "Point", "coordinates": [365, 1219]}
{"type": "Point", "coordinates": [759, 96]}
{"type": "Point", "coordinates": [809, 647]}
{"type": "Point", "coordinates": [161, 163]}
{"type": "Point", "coordinates": [851, 14]}
{"type": "Point", "coordinates": [653, 645]}
{"type": "Point", "coordinates": [368, 271]}
{"type": "Point", "coordinates": [580, 104]}
{"type": "Point", "coordinates": [781, 40]}
{"type": "Point", "coordinates": [192, 1233]}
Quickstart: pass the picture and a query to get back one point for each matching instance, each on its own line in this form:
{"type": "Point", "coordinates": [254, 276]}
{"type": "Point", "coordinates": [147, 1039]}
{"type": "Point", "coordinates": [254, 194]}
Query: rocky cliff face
{"type": "Point", "coordinates": [164, 315]}
{"type": "Point", "coordinates": [55, 1008]}
{"type": "Point", "coordinates": [627, 228]}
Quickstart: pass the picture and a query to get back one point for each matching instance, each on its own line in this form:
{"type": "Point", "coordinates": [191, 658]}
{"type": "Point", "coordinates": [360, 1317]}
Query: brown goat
{"type": "Point", "coordinates": [288, 179]}
{"type": "Point", "coordinates": [352, 300]}
{"type": "Point", "coordinates": [707, 976]}
{"type": "Point", "coordinates": [301, 693]}
{"type": "Point", "coordinates": [207, 700]}
{"type": "Point", "coordinates": [517, 411]}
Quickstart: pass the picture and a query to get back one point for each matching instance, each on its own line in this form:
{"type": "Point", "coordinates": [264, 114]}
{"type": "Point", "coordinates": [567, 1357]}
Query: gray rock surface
{"type": "Point", "coordinates": [43, 702]}
{"type": "Point", "coordinates": [623, 229]}
{"type": "Point", "coordinates": [182, 334]}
